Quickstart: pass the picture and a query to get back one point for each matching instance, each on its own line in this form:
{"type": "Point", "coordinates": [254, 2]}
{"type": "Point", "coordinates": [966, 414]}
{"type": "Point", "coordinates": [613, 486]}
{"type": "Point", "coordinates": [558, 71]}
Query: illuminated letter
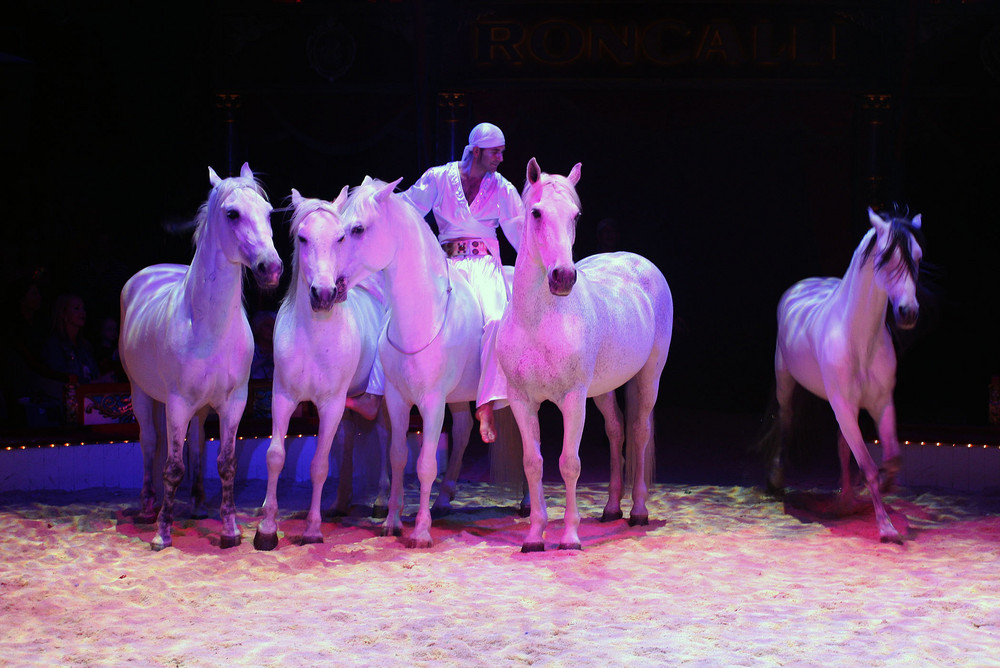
{"type": "Point", "coordinates": [498, 42]}
{"type": "Point", "coordinates": [621, 49]}
{"type": "Point", "coordinates": [556, 42]}
{"type": "Point", "coordinates": [720, 43]}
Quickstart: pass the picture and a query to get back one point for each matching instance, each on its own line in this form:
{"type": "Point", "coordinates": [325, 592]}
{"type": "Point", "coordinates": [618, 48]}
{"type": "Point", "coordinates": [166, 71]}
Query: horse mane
{"type": "Point", "coordinates": [361, 205]}
{"type": "Point", "coordinates": [306, 208]}
{"type": "Point", "coordinates": [558, 181]}
{"type": "Point", "coordinates": [219, 194]}
{"type": "Point", "coordinates": [901, 231]}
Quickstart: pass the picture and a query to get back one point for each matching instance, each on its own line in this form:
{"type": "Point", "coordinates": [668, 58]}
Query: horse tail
{"type": "Point", "coordinates": [507, 453]}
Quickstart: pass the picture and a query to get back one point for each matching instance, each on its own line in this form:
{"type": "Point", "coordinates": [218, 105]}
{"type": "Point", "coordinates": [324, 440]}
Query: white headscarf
{"type": "Point", "coordinates": [484, 135]}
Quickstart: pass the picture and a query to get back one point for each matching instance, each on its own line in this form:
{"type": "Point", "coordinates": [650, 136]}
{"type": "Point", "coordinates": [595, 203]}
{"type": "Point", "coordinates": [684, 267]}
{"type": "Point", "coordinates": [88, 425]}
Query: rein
{"type": "Point", "coordinates": [447, 303]}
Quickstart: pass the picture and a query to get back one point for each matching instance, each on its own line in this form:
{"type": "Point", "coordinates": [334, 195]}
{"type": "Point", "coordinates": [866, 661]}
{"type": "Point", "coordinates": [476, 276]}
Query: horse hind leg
{"type": "Point", "coordinates": [607, 404]}
{"type": "Point", "coordinates": [776, 441]}
{"type": "Point", "coordinates": [196, 458]}
{"type": "Point", "coordinates": [345, 479]}
{"type": "Point", "coordinates": [151, 430]}
{"type": "Point", "coordinates": [461, 430]}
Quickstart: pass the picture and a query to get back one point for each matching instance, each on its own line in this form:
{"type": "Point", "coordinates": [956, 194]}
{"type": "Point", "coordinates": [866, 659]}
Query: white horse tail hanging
{"type": "Point", "coordinates": [573, 331]}
{"type": "Point", "coordinates": [834, 341]}
{"type": "Point", "coordinates": [186, 343]}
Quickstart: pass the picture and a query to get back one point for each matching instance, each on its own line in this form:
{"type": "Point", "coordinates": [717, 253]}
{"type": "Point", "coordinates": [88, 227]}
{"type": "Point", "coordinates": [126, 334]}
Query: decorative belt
{"type": "Point", "coordinates": [466, 247]}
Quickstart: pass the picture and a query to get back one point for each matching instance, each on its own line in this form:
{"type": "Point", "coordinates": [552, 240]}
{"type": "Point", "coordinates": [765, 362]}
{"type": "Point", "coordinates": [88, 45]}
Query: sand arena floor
{"type": "Point", "coordinates": [721, 576]}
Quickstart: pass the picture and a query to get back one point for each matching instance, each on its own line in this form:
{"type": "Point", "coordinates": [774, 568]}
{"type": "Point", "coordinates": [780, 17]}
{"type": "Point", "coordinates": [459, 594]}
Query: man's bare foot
{"type": "Point", "coordinates": [366, 405]}
{"type": "Point", "coordinates": [487, 430]}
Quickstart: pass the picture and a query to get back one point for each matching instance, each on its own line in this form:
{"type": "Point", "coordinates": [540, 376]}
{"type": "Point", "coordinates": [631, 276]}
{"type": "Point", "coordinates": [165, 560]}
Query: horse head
{"type": "Point", "coordinates": [551, 211]}
{"type": "Point", "coordinates": [316, 227]}
{"type": "Point", "coordinates": [367, 244]}
{"type": "Point", "coordinates": [897, 263]}
{"type": "Point", "coordinates": [238, 217]}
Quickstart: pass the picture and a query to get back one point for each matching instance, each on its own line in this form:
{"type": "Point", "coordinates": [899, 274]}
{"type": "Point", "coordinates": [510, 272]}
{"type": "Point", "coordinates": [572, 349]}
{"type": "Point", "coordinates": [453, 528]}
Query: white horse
{"type": "Point", "coordinates": [572, 332]}
{"type": "Point", "coordinates": [430, 347]}
{"type": "Point", "coordinates": [323, 353]}
{"type": "Point", "coordinates": [185, 341]}
{"type": "Point", "coordinates": [833, 341]}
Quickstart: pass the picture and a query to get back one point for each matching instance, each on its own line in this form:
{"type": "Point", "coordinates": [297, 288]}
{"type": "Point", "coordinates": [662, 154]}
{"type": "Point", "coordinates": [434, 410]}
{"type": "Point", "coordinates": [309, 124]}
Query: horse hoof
{"type": "Point", "coordinates": [226, 542]}
{"type": "Point", "coordinates": [638, 520]}
{"type": "Point", "coordinates": [533, 547]}
{"type": "Point", "coordinates": [570, 546]}
{"type": "Point", "coordinates": [380, 512]}
{"type": "Point", "coordinates": [312, 540]}
{"type": "Point", "coordinates": [144, 519]}
{"type": "Point", "coordinates": [156, 545]}
{"type": "Point", "coordinates": [392, 531]}
{"type": "Point", "coordinates": [892, 538]}
{"type": "Point", "coordinates": [415, 544]}
{"type": "Point", "coordinates": [524, 511]}
{"type": "Point", "coordinates": [611, 517]}
{"type": "Point", "coordinates": [265, 542]}
{"type": "Point", "coordinates": [774, 491]}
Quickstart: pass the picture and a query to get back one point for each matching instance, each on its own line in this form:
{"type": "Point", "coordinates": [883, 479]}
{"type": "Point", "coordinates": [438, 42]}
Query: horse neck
{"type": "Point", "coordinates": [530, 288]}
{"type": "Point", "coordinates": [213, 287]}
{"type": "Point", "coordinates": [416, 280]}
{"type": "Point", "coordinates": [862, 302]}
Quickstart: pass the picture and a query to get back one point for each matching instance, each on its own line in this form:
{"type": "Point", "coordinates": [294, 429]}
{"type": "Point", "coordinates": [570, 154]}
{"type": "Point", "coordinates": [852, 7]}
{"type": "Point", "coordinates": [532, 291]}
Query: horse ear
{"type": "Point", "coordinates": [534, 172]}
{"type": "Point", "coordinates": [213, 178]}
{"type": "Point", "coordinates": [574, 174]}
{"type": "Point", "coordinates": [296, 198]}
{"type": "Point", "coordinates": [341, 198]}
{"type": "Point", "coordinates": [366, 180]}
{"type": "Point", "coordinates": [245, 171]}
{"type": "Point", "coordinates": [386, 190]}
{"type": "Point", "coordinates": [916, 222]}
{"type": "Point", "coordinates": [876, 220]}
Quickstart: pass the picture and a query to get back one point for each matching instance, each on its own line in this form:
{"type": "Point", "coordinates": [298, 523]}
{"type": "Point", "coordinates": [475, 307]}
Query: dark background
{"type": "Point", "coordinates": [737, 145]}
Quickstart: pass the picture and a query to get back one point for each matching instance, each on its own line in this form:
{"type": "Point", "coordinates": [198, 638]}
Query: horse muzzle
{"type": "Point", "coordinates": [322, 299]}
{"type": "Point", "coordinates": [340, 294]}
{"type": "Point", "coordinates": [906, 316]}
{"type": "Point", "coordinates": [267, 273]}
{"type": "Point", "coordinates": [562, 280]}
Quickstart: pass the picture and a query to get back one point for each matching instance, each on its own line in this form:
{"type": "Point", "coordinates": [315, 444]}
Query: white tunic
{"type": "Point", "coordinates": [497, 204]}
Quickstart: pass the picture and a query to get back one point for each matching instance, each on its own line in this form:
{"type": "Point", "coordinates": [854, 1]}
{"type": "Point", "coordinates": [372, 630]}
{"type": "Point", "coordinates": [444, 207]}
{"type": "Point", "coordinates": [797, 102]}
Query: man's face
{"type": "Point", "coordinates": [490, 158]}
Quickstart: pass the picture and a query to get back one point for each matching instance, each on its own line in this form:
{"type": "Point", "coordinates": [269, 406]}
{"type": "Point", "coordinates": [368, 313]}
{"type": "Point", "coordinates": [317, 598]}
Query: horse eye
{"type": "Point", "coordinates": [358, 230]}
{"type": "Point", "coordinates": [536, 213]}
{"type": "Point", "coordinates": [233, 214]}
{"type": "Point", "coordinates": [301, 239]}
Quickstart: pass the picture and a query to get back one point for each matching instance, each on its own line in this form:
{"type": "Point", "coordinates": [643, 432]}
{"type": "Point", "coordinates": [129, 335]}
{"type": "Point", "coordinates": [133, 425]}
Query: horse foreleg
{"type": "Point", "coordinates": [229, 421]}
{"type": "Point", "coordinates": [432, 413]}
{"type": "Point", "coordinates": [892, 459]}
{"type": "Point", "coordinates": [574, 408]}
{"type": "Point", "coordinates": [399, 418]}
{"type": "Point", "coordinates": [461, 430]}
{"type": "Point", "coordinates": [345, 478]}
{"type": "Point", "coordinates": [330, 413]}
{"type": "Point", "coordinates": [847, 496]}
{"type": "Point", "coordinates": [196, 455]}
{"type": "Point", "coordinates": [282, 406]}
{"type": "Point", "coordinates": [142, 408]}
{"type": "Point", "coordinates": [526, 414]}
{"type": "Point", "coordinates": [607, 404]}
{"type": "Point", "coordinates": [380, 507]}
{"type": "Point", "coordinates": [847, 418]}
{"type": "Point", "coordinates": [173, 473]}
